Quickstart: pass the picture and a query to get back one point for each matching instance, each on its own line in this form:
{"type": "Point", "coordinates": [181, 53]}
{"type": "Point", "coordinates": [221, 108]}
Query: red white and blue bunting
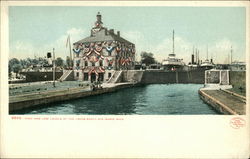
{"type": "Point", "coordinates": [125, 61]}
{"type": "Point", "coordinates": [102, 70]}
{"type": "Point", "coordinates": [77, 51]}
{"type": "Point", "coordinates": [93, 71]}
{"type": "Point", "coordinates": [118, 49]}
{"type": "Point", "coordinates": [109, 61]}
{"type": "Point", "coordinates": [110, 48]}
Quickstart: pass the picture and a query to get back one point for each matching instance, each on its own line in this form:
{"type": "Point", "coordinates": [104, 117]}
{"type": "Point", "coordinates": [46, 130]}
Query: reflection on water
{"type": "Point", "coordinates": [156, 99]}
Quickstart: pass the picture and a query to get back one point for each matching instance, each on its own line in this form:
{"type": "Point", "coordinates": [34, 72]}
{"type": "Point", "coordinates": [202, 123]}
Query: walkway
{"type": "Point", "coordinates": [228, 101]}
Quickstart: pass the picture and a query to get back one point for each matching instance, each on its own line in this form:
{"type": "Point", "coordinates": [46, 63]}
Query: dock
{"type": "Point", "coordinates": [224, 101]}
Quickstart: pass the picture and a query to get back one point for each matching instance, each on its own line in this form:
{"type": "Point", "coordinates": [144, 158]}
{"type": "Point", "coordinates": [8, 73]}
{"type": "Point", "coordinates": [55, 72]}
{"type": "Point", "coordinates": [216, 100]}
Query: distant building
{"type": "Point", "coordinates": [237, 66]}
{"type": "Point", "coordinates": [99, 56]}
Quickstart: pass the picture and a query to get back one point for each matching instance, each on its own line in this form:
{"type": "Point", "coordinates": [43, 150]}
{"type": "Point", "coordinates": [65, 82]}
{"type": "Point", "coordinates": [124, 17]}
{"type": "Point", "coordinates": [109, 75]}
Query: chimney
{"type": "Point", "coordinates": [211, 60]}
{"type": "Point", "coordinates": [192, 59]}
{"type": "Point", "coordinates": [118, 33]}
{"type": "Point", "coordinates": [111, 31]}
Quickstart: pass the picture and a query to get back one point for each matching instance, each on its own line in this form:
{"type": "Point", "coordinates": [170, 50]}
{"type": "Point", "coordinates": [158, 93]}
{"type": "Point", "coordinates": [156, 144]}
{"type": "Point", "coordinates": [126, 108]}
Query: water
{"type": "Point", "coordinates": [155, 99]}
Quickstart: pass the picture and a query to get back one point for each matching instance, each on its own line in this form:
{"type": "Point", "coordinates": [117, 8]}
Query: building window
{"type": "Point", "coordinates": [109, 64]}
{"type": "Point", "coordinates": [77, 74]}
{"type": "Point", "coordinates": [86, 63]}
{"type": "Point", "coordinates": [100, 77]}
{"type": "Point", "coordinates": [86, 77]}
{"type": "Point", "coordinates": [109, 75]}
{"type": "Point", "coordinates": [77, 64]}
{"type": "Point", "coordinates": [100, 63]}
{"type": "Point", "coordinates": [93, 64]}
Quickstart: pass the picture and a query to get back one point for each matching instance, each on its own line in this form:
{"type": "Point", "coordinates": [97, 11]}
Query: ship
{"type": "Point", "coordinates": [207, 65]}
{"type": "Point", "coordinates": [172, 62]}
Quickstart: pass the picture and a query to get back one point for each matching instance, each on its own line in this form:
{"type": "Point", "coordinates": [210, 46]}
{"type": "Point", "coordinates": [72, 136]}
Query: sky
{"type": "Point", "coordinates": [36, 30]}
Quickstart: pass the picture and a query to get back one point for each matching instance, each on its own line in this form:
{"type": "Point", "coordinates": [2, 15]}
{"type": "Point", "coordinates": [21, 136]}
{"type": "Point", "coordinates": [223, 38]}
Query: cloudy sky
{"type": "Point", "coordinates": [36, 30]}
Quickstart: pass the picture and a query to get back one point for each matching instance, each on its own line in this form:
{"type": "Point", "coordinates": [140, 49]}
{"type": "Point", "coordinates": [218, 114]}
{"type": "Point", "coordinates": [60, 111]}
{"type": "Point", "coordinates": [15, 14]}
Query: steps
{"type": "Point", "coordinates": [115, 77]}
{"type": "Point", "coordinates": [66, 75]}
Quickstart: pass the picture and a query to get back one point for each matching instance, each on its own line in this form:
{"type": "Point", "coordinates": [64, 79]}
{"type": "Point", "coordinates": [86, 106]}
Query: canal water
{"type": "Point", "coordinates": [154, 99]}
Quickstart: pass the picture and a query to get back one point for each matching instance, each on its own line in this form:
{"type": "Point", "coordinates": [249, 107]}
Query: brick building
{"type": "Point", "coordinates": [99, 56]}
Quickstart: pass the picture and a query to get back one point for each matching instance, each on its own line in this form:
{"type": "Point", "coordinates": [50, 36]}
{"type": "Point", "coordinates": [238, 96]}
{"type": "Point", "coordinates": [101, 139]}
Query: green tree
{"type": "Point", "coordinates": [14, 61]}
{"type": "Point", "coordinates": [59, 62]}
{"type": "Point", "coordinates": [147, 58]}
{"type": "Point", "coordinates": [17, 68]}
{"type": "Point", "coordinates": [68, 64]}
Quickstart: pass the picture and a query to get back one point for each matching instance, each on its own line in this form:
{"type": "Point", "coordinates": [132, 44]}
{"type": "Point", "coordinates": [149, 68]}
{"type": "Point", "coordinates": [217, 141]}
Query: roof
{"type": "Point", "coordinates": [100, 36]}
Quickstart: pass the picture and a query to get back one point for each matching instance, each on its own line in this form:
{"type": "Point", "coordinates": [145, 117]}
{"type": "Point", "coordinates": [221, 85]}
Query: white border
{"type": "Point", "coordinates": [147, 136]}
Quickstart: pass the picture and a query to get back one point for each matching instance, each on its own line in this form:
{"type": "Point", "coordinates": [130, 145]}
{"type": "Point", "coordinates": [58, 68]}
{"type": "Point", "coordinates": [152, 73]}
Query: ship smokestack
{"type": "Point", "coordinates": [198, 57]}
{"type": "Point", "coordinates": [192, 59]}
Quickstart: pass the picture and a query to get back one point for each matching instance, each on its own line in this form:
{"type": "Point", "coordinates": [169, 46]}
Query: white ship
{"type": "Point", "coordinates": [207, 65]}
{"type": "Point", "coordinates": [172, 62]}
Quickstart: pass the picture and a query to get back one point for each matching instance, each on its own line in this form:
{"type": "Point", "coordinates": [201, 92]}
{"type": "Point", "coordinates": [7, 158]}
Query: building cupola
{"type": "Point", "coordinates": [98, 22]}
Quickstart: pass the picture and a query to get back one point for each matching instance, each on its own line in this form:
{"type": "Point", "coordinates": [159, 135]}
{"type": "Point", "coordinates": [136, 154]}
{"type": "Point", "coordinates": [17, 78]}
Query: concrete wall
{"type": "Point", "coordinates": [164, 77]}
{"type": "Point", "coordinates": [237, 78]}
{"type": "Point", "coordinates": [132, 75]}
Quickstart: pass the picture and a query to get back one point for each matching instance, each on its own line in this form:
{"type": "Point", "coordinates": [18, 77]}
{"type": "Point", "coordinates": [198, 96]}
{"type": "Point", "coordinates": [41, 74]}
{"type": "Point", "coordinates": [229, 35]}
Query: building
{"type": "Point", "coordinates": [102, 54]}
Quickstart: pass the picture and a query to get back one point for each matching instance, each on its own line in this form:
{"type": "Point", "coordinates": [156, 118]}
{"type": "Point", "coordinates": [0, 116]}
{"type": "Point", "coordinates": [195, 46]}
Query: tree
{"type": "Point", "coordinates": [17, 68]}
{"type": "Point", "coordinates": [68, 63]}
{"type": "Point", "coordinates": [14, 61]}
{"type": "Point", "coordinates": [14, 64]}
{"type": "Point", "coordinates": [147, 58]}
{"type": "Point", "coordinates": [59, 62]}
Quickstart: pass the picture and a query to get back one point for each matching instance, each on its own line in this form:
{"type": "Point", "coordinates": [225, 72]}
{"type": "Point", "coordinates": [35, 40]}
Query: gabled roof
{"type": "Point", "coordinates": [100, 36]}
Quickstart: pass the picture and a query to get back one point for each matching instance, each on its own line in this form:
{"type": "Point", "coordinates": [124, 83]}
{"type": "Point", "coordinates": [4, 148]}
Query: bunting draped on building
{"type": "Point", "coordinates": [96, 70]}
{"type": "Point", "coordinates": [126, 61]}
{"type": "Point", "coordinates": [93, 58]}
{"type": "Point", "coordinates": [102, 70]}
{"type": "Point", "coordinates": [77, 50]}
{"type": "Point", "coordinates": [118, 49]}
{"type": "Point", "coordinates": [110, 62]}
{"type": "Point", "coordinates": [93, 71]}
{"type": "Point", "coordinates": [110, 48]}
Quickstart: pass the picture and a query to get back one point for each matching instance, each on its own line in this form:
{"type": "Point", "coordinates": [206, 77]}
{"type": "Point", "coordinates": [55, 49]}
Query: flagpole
{"type": "Point", "coordinates": [54, 67]}
{"type": "Point", "coordinates": [70, 53]}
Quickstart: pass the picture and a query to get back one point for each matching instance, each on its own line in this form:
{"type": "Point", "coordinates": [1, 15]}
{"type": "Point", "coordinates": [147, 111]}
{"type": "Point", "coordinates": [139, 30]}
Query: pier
{"type": "Point", "coordinates": [224, 101]}
{"type": "Point", "coordinates": [19, 102]}
{"type": "Point", "coordinates": [221, 91]}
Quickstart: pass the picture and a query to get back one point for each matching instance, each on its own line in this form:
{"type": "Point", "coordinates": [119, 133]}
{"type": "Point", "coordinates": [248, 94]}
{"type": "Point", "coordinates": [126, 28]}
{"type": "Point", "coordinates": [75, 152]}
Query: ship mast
{"type": "Point", "coordinates": [173, 41]}
{"type": "Point", "coordinates": [207, 52]}
{"type": "Point", "coordinates": [231, 54]}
